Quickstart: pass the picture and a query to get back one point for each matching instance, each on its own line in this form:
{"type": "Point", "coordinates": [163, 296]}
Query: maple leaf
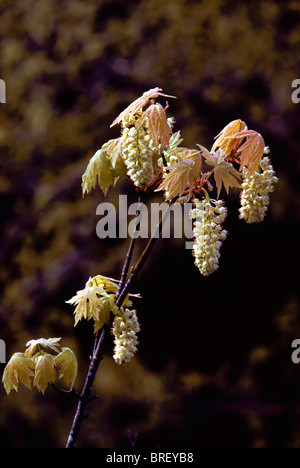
{"type": "Point", "coordinates": [174, 153]}
{"type": "Point", "coordinates": [107, 306]}
{"type": "Point", "coordinates": [175, 141]}
{"type": "Point", "coordinates": [227, 138]}
{"type": "Point", "coordinates": [181, 176]}
{"type": "Point", "coordinates": [109, 284]}
{"type": "Point", "coordinates": [67, 363]}
{"type": "Point", "coordinates": [251, 151]}
{"type": "Point", "coordinates": [35, 345]}
{"type": "Point", "coordinates": [113, 149]}
{"type": "Point", "coordinates": [18, 368]}
{"type": "Point", "coordinates": [159, 129]}
{"type": "Point", "coordinates": [99, 167]}
{"type": "Point", "coordinates": [87, 303]}
{"type": "Point", "coordinates": [44, 372]}
{"type": "Point", "coordinates": [93, 302]}
{"type": "Point", "coordinates": [139, 103]}
{"type": "Point", "coordinates": [224, 172]}
{"type": "Point", "coordinates": [119, 168]}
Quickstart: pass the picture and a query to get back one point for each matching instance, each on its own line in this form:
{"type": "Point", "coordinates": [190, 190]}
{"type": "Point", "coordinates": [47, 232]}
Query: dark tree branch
{"type": "Point", "coordinates": [130, 251]}
{"type": "Point", "coordinates": [72, 391]}
{"type": "Point", "coordinates": [86, 391]}
{"type": "Point", "coordinates": [100, 342]}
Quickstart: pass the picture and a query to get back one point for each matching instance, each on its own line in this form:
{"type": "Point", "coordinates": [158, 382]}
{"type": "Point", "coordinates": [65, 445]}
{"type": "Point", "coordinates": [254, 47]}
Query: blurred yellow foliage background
{"type": "Point", "coordinates": [214, 366]}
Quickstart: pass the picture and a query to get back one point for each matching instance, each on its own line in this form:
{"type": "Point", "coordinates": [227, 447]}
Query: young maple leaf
{"type": "Point", "coordinates": [175, 141]}
{"type": "Point", "coordinates": [181, 176]}
{"type": "Point", "coordinates": [67, 363]}
{"type": "Point", "coordinates": [44, 372]}
{"type": "Point", "coordinates": [227, 139]}
{"type": "Point", "coordinates": [224, 172]}
{"type": "Point", "coordinates": [173, 153]}
{"type": "Point", "coordinates": [35, 345]}
{"type": "Point", "coordinates": [139, 103]}
{"type": "Point", "coordinates": [107, 306]}
{"type": "Point", "coordinates": [18, 368]}
{"type": "Point", "coordinates": [87, 303]}
{"type": "Point", "coordinates": [251, 151]}
{"type": "Point", "coordinates": [119, 168]}
{"type": "Point", "coordinates": [159, 129]}
{"type": "Point", "coordinates": [93, 302]}
{"type": "Point", "coordinates": [109, 284]}
{"type": "Point", "coordinates": [99, 167]}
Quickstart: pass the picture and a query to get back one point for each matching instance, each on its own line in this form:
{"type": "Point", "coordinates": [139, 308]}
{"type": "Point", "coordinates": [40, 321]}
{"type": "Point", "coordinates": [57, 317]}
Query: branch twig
{"type": "Point", "coordinates": [130, 251]}
{"type": "Point", "coordinates": [72, 390]}
{"type": "Point", "coordinates": [99, 343]}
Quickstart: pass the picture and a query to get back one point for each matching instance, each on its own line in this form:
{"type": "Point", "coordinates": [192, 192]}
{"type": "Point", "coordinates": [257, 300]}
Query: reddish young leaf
{"type": "Point", "coordinates": [159, 129]}
{"type": "Point", "coordinates": [227, 140]}
{"type": "Point", "coordinates": [252, 150]}
{"type": "Point", "coordinates": [139, 103]}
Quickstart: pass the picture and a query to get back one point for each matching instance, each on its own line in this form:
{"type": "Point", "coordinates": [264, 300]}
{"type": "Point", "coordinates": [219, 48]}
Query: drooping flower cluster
{"type": "Point", "coordinates": [125, 328]}
{"type": "Point", "coordinates": [255, 194]}
{"type": "Point", "coordinates": [151, 156]}
{"type": "Point", "coordinates": [137, 153]}
{"type": "Point", "coordinates": [145, 136]}
{"type": "Point", "coordinates": [97, 302]}
{"type": "Point", "coordinates": [208, 233]}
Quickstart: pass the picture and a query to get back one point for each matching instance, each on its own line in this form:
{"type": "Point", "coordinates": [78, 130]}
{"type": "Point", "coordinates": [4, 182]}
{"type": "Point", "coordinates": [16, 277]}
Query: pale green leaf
{"type": "Point", "coordinates": [113, 149]}
{"type": "Point", "coordinates": [175, 140]}
{"type": "Point", "coordinates": [67, 363]}
{"type": "Point", "coordinates": [94, 302]}
{"type": "Point", "coordinates": [44, 372]}
{"type": "Point", "coordinates": [224, 172]}
{"type": "Point", "coordinates": [99, 168]}
{"type": "Point", "coordinates": [108, 284]}
{"type": "Point", "coordinates": [35, 345]}
{"type": "Point", "coordinates": [18, 369]}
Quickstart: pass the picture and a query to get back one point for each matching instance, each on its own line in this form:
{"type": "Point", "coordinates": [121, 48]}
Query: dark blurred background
{"type": "Point", "coordinates": [214, 364]}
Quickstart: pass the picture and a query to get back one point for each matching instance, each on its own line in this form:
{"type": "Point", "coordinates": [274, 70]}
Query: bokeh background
{"type": "Point", "coordinates": [214, 364]}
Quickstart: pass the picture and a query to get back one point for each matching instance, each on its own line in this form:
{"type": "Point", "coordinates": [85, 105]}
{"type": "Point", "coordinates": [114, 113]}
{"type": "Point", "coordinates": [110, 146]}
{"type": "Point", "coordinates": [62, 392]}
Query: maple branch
{"type": "Point", "coordinates": [130, 251]}
{"type": "Point", "coordinates": [100, 343]}
{"type": "Point", "coordinates": [141, 261]}
{"type": "Point", "coordinates": [126, 263]}
{"type": "Point", "coordinates": [87, 389]}
{"type": "Point", "coordinates": [72, 390]}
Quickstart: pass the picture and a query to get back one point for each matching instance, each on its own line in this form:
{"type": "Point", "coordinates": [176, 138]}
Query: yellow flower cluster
{"type": "Point", "coordinates": [255, 195]}
{"type": "Point", "coordinates": [208, 232]}
{"type": "Point", "coordinates": [137, 152]}
{"type": "Point", "coordinates": [125, 328]}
